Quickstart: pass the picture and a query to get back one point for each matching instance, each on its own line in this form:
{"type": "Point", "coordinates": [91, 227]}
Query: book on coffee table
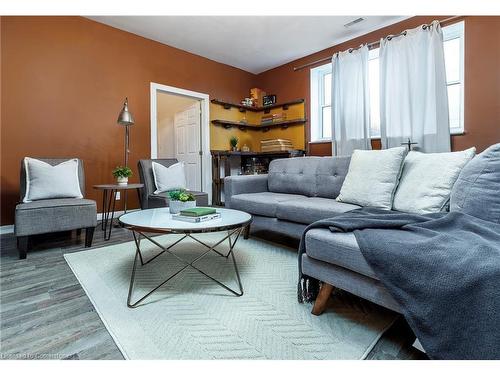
{"type": "Point", "coordinates": [196, 219]}
{"type": "Point", "coordinates": [198, 211]}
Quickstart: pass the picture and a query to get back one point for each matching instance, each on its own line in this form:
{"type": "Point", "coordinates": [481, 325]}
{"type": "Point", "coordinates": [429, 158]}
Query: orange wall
{"type": "Point", "coordinates": [482, 80]}
{"type": "Point", "coordinates": [63, 80]}
{"type": "Point", "coordinates": [63, 83]}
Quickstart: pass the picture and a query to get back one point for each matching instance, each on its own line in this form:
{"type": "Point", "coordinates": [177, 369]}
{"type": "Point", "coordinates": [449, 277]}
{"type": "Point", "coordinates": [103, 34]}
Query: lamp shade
{"type": "Point", "coordinates": [125, 117]}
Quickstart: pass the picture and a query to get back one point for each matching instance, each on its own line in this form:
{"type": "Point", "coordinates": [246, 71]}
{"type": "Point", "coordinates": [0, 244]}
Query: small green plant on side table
{"type": "Point", "coordinates": [122, 174]}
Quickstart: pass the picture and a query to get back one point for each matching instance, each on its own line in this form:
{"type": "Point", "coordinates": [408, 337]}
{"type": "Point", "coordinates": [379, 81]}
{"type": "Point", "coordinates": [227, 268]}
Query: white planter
{"type": "Point", "coordinates": [122, 180]}
{"type": "Point", "coordinates": [178, 206]}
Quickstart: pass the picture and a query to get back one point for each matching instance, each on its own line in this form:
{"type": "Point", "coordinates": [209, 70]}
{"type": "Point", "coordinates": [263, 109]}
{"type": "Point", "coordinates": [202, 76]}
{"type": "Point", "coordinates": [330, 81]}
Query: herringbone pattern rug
{"type": "Point", "coordinates": [193, 318]}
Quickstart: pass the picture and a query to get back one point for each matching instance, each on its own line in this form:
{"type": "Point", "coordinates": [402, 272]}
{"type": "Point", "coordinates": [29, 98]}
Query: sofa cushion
{"type": "Point", "coordinates": [476, 191]}
{"type": "Point", "coordinates": [309, 210]}
{"type": "Point", "coordinates": [373, 177]}
{"type": "Point", "coordinates": [264, 203]}
{"type": "Point", "coordinates": [337, 248]}
{"type": "Point", "coordinates": [169, 178]}
{"type": "Point", "coordinates": [330, 175]}
{"type": "Point", "coordinates": [46, 181]}
{"type": "Point", "coordinates": [294, 176]}
{"type": "Point", "coordinates": [427, 180]}
{"type": "Point", "coordinates": [54, 215]}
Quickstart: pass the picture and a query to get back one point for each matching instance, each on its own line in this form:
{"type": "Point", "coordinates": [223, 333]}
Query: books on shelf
{"type": "Point", "coordinates": [272, 145]}
{"type": "Point", "coordinates": [197, 215]}
{"type": "Point", "coordinates": [272, 118]}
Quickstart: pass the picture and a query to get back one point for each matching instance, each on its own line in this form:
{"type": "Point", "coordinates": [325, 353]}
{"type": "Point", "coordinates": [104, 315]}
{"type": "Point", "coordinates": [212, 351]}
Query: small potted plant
{"type": "Point", "coordinates": [180, 200]}
{"type": "Point", "coordinates": [122, 174]}
{"type": "Point", "coordinates": [233, 142]}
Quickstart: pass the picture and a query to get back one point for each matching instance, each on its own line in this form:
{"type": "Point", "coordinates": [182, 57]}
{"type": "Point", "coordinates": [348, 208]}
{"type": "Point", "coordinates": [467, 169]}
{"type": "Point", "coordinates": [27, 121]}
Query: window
{"type": "Point", "coordinates": [454, 59]}
{"type": "Point", "coordinates": [374, 92]}
{"type": "Point", "coordinates": [321, 96]}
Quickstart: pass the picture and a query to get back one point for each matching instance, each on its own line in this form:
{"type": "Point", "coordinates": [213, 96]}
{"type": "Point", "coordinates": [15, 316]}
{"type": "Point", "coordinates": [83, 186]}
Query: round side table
{"type": "Point", "coordinates": [109, 202]}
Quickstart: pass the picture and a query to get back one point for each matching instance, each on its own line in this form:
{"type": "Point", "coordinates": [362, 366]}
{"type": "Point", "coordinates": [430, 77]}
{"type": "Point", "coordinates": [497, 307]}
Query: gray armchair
{"type": "Point", "coordinates": [151, 200]}
{"type": "Point", "coordinates": [53, 215]}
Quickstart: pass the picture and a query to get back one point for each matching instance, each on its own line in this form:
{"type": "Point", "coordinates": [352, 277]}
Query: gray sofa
{"type": "Point", "coordinates": [296, 193]}
{"type": "Point", "coordinates": [151, 200]}
{"type": "Point", "coordinates": [53, 215]}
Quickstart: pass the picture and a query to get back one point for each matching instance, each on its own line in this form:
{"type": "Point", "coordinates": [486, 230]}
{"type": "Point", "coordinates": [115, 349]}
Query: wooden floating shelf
{"type": "Point", "coordinates": [266, 109]}
{"type": "Point", "coordinates": [264, 127]}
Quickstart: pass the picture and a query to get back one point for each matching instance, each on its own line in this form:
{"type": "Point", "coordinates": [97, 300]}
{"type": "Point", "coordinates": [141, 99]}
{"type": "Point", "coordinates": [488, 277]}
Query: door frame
{"type": "Point", "coordinates": [206, 158]}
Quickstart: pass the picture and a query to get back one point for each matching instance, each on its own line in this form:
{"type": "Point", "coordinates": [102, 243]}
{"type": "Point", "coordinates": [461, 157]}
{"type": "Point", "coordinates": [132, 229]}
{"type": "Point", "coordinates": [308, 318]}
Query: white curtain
{"type": "Point", "coordinates": [413, 95]}
{"type": "Point", "coordinates": [350, 101]}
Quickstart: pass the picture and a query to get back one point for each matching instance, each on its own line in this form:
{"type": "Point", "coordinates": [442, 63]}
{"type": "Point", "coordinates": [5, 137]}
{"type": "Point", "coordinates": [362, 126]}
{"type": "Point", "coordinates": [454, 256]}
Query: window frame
{"type": "Point", "coordinates": [457, 31]}
{"type": "Point", "coordinates": [452, 31]}
{"type": "Point", "coordinates": [317, 75]}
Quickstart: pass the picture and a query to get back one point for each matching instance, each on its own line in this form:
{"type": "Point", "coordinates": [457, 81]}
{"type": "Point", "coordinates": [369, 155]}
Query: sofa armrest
{"type": "Point", "coordinates": [234, 185]}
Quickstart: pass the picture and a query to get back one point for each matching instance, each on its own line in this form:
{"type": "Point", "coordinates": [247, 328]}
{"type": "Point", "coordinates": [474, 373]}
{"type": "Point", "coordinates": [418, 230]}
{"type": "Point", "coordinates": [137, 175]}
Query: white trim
{"type": "Point", "coordinates": [206, 162]}
{"type": "Point", "coordinates": [457, 31]}
{"type": "Point", "coordinates": [5, 229]}
{"type": "Point", "coordinates": [316, 103]}
{"type": "Point", "coordinates": [117, 213]}
{"type": "Point", "coordinates": [321, 141]}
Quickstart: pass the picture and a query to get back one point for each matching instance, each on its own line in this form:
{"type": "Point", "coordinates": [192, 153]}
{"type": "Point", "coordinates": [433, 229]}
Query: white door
{"type": "Point", "coordinates": [187, 135]}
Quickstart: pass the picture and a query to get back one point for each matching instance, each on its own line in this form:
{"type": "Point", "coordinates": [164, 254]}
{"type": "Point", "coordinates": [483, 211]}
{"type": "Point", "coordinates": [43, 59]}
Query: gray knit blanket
{"type": "Point", "coordinates": [443, 269]}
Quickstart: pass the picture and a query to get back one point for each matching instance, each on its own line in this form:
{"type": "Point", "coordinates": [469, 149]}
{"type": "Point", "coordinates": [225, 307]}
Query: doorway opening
{"type": "Point", "coordinates": [180, 130]}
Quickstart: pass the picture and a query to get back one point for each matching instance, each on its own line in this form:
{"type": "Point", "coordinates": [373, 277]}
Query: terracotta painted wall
{"type": "Point", "coordinates": [63, 83]}
{"type": "Point", "coordinates": [482, 80]}
{"type": "Point", "coordinates": [63, 80]}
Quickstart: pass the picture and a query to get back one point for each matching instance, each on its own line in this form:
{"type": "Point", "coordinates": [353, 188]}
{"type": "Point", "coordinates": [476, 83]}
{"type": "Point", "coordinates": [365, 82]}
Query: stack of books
{"type": "Point", "coordinates": [272, 118]}
{"type": "Point", "coordinates": [197, 215]}
{"type": "Point", "coordinates": [273, 145]}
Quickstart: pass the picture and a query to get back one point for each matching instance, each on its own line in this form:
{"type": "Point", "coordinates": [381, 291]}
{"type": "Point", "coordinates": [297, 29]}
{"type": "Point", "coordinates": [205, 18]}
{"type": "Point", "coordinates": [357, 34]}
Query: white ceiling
{"type": "Point", "coordinates": [251, 43]}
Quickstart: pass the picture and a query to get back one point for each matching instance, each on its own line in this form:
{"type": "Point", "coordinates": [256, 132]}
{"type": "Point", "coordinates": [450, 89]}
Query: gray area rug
{"type": "Point", "coordinates": [193, 318]}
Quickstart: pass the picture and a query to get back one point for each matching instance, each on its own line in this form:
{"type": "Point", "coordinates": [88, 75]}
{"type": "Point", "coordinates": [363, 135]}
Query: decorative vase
{"type": "Point", "coordinates": [178, 206]}
{"type": "Point", "coordinates": [122, 180]}
{"type": "Point", "coordinates": [234, 149]}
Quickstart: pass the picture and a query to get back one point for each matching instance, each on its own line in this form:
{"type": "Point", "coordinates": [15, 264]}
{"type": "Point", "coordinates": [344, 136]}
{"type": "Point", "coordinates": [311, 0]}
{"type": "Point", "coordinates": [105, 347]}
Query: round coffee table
{"type": "Point", "coordinates": [159, 220]}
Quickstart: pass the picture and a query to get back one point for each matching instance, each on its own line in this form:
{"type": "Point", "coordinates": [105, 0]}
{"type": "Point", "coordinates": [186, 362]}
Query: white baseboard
{"type": "Point", "coordinates": [6, 229]}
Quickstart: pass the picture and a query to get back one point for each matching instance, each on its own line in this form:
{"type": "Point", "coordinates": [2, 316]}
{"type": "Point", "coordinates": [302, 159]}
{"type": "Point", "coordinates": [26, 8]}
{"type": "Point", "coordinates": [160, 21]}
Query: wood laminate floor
{"type": "Point", "coordinates": [45, 312]}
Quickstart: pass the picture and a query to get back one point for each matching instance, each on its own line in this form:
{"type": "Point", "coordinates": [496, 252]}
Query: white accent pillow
{"type": "Point", "coordinates": [372, 177]}
{"type": "Point", "coordinates": [169, 178]}
{"type": "Point", "coordinates": [44, 181]}
{"type": "Point", "coordinates": [427, 180]}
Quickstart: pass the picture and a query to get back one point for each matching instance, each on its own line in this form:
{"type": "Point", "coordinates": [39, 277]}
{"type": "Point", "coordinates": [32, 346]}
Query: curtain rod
{"type": "Point", "coordinates": [372, 44]}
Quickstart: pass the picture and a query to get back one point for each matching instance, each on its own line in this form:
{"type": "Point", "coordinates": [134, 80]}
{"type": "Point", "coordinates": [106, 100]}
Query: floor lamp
{"type": "Point", "coordinates": [126, 119]}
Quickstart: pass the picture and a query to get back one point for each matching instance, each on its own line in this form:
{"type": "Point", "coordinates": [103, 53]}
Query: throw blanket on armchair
{"type": "Point", "coordinates": [443, 269]}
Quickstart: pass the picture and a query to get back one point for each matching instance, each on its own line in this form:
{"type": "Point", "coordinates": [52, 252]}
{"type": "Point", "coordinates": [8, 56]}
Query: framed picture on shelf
{"type": "Point", "coordinates": [269, 100]}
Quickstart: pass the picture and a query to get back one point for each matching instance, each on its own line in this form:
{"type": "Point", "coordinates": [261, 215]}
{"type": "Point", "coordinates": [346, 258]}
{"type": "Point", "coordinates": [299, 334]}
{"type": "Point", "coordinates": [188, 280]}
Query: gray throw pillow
{"type": "Point", "coordinates": [169, 178]}
{"type": "Point", "coordinates": [44, 181]}
{"type": "Point", "coordinates": [373, 177]}
{"type": "Point", "coordinates": [477, 190]}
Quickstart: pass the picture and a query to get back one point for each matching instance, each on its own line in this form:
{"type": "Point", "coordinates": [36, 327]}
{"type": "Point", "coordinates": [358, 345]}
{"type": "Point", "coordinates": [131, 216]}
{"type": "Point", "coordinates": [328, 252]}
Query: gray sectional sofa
{"type": "Point", "coordinates": [295, 193]}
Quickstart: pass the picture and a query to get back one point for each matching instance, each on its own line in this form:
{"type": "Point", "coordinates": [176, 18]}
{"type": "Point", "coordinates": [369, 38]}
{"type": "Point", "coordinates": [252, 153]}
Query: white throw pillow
{"type": "Point", "coordinates": [427, 180]}
{"type": "Point", "coordinates": [372, 177]}
{"type": "Point", "coordinates": [169, 178]}
{"type": "Point", "coordinates": [44, 181]}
